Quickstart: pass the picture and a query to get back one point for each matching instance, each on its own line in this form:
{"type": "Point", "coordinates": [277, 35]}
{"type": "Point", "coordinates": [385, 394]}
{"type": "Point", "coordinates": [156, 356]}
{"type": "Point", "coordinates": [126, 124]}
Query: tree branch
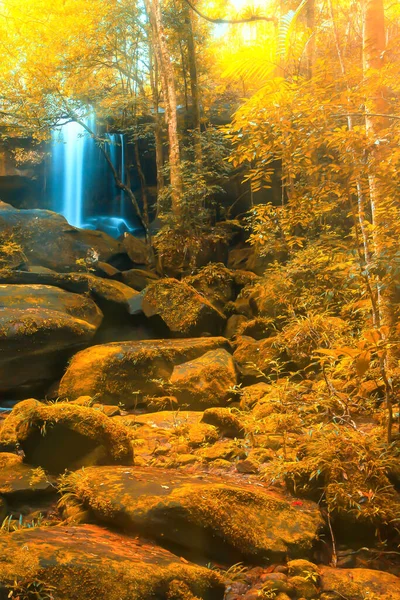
{"type": "Point", "coordinates": [250, 19]}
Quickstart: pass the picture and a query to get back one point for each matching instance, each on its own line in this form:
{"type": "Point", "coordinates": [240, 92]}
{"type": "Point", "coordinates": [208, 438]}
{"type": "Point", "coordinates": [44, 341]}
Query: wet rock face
{"type": "Point", "coordinates": [183, 311]}
{"type": "Point", "coordinates": [65, 436]}
{"type": "Point", "coordinates": [216, 518]}
{"type": "Point", "coordinates": [88, 563]}
{"type": "Point", "coordinates": [48, 240]}
{"type": "Point", "coordinates": [127, 371]}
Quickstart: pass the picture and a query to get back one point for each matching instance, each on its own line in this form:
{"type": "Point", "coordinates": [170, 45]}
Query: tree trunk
{"type": "Point", "coordinates": [194, 82]}
{"type": "Point", "coordinates": [168, 87]}
{"type": "Point", "coordinates": [158, 136]}
{"type": "Point", "coordinates": [374, 44]}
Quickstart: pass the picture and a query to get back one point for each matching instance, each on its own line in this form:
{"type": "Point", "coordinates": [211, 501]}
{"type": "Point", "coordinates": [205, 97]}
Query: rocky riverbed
{"type": "Point", "coordinates": [148, 449]}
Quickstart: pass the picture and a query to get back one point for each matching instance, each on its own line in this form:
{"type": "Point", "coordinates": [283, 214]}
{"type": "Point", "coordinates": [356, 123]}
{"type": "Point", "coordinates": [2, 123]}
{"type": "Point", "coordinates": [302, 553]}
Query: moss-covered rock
{"type": "Point", "coordinates": [66, 436]}
{"type": "Point", "coordinates": [214, 517]}
{"type": "Point", "coordinates": [49, 297]}
{"type": "Point", "coordinates": [358, 584]}
{"type": "Point", "coordinates": [88, 563]}
{"type": "Point", "coordinates": [225, 420]}
{"type": "Point", "coordinates": [251, 394]}
{"type": "Point", "coordinates": [205, 381]}
{"type": "Point", "coordinates": [126, 372]}
{"type": "Point", "coordinates": [19, 480]}
{"type": "Point", "coordinates": [48, 240]}
{"type": "Point", "coordinates": [254, 358]}
{"type": "Point", "coordinates": [215, 282]}
{"type": "Point", "coordinates": [35, 344]}
{"type": "Point", "coordinates": [181, 309]}
{"type": "Point", "coordinates": [304, 568]}
{"type": "Point", "coordinates": [114, 296]}
{"type": "Point", "coordinates": [223, 450]}
{"type": "Point", "coordinates": [305, 587]}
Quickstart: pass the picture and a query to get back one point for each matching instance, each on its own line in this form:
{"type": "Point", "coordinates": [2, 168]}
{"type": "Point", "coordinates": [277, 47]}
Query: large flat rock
{"type": "Point", "coordinates": [127, 371]}
{"type": "Point", "coordinates": [215, 518]}
{"type": "Point", "coordinates": [49, 297]}
{"type": "Point", "coordinates": [88, 562]}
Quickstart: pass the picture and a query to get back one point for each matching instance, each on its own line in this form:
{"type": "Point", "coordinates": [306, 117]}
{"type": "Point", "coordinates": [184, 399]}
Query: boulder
{"type": "Point", "coordinates": [225, 420]}
{"type": "Point", "coordinates": [48, 297]}
{"type": "Point", "coordinates": [215, 282]}
{"type": "Point", "coordinates": [88, 562]}
{"type": "Point", "coordinates": [138, 279]}
{"type": "Point", "coordinates": [254, 358]}
{"type": "Point", "coordinates": [358, 584]}
{"type": "Point", "coordinates": [233, 324]}
{"type": "Point", "coordinates": [11, 254]}
{"type": "Point", "coordinates": [181, 309]}
{"type": "Point", "coordinates": [35, 344]}
{"type": "Point", "coordinates": [47, 239]}
{"type": "Point", "coordinates": [214, 518]}
{"type": "Point", "coordinates": [126, 372]}
{"type": "Point", "coordinates": [18, 480]}
{"type": "Point", "coordinates": [180, 252]}
{"type": "Point", "coordinates": [205, 381]}
{"type": "Point", "coordinates": [114, 296]}
{"type": "Point", "coordinates": [136, 249]}
{"type": "Point", "coordinates": [65, 436]}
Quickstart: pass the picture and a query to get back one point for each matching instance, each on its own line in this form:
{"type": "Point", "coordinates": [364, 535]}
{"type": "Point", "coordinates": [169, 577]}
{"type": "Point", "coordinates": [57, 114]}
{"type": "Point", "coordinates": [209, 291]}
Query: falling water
{"type": "Point", "coordinates": [82, 186]}
{"type": "Point", "coordinates": [72, 147]}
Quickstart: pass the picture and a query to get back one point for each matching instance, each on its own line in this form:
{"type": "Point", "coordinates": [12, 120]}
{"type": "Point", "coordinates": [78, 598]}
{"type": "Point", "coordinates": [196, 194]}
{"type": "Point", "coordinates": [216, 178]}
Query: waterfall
{"type": "Point", "coordinates": [72, 150]}
{"type": "Point", "coordinates": [81, 184]}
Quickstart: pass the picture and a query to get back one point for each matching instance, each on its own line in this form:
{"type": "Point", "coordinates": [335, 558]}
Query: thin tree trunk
{"type": "Point", "coordinates": [158, 137]}
{"type": "Point", "coordinates": [168, 86]}
{"type": "Point", "coordinates": [374, 45]}
{"type": "Point", "coordinates": [143, 184]}
{"type": "Point", "coordinates": [194, 82]}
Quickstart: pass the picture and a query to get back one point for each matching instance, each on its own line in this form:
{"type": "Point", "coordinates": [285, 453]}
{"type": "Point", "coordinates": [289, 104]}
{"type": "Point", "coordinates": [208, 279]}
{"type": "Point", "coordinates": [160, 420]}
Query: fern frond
{"type": "Point", "coordinates": [286, 28]}
{"type": "Point", "coordinates": [254, 63]}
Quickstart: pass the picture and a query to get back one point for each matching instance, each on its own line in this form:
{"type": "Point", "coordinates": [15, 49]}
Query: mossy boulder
{"type": "Point", "coordinates": [49, 297]}
{"type": "Point", "coordinates": [47, 239]}
{"type": "Point", "coordinates": [205, 381]}
{"type": "Point", "coordinates": [65, 436]}
{"type": "Point", "coordinates": [35, 344]}
{"type": "Point", "coordinates": [215, 282]}
{"type": "Point", "coordinates": [225, 420]}
{"type": "Point", "coordinates": [358, 584]}
{"type": "Point", "coordinates": [126, 372]}
{"type": "Point", "coordinates": [215, 518]}
{"type": "Point", "coordinates": [88, 563]}
{"type": "Point", "coordinates": [136, 249]}
{"type": "Point", "coordinates": [224, 449]}
{"type": "Point", "coordinates": [114, 296]}
{"type": "Point", "coordinates": [19, 480]}
{"type": "Point", "coordinates": [254, 358]}
{"type": "Point", "coordinates": [251, 394]}
{"type": "Point", "coordinates": [180, 309]}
